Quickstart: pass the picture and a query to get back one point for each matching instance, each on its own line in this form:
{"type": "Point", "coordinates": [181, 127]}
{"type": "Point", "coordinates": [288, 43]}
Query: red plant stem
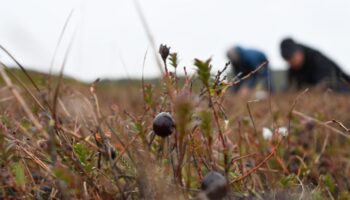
{"type": "Point", "coordinates": [166, 68]}
{"type": "Point", "coordinates": [125, 148]}
{"type": "Point", "coordinates": [256, 167]}
{"type": "Point", "coordinates": [240, 144]}
{"type": "Point", "coordinates": [218, 127]}
{"type": "Point", "coordinates": [216, 118]}
{"type": "Point", "coordinates": [259, 165]}
{"type": "Point", "coordinates": [283, 165]}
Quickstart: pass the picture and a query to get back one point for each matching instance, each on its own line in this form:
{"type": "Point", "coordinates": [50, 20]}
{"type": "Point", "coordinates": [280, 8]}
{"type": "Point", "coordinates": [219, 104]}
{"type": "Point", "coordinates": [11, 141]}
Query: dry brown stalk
{"type": "Point", "coordinates": [21, 101]}
{"type": "Point", "coordinates": [324, 124]}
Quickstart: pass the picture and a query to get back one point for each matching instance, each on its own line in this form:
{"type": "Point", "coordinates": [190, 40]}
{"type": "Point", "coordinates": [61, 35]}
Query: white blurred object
{"type": "Point", "coordinates": [282, 131]}
{"type": "Point", "coordinates": [226, 124]}
{"type": "Point", "coordinates": [267, 133]}
{"type": "Point", "coordinates": [261, 95]}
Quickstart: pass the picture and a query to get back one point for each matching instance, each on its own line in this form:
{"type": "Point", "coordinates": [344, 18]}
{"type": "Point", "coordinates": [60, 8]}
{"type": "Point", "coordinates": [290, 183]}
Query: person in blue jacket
{"type": "Point", "coordinates": [244, 61]}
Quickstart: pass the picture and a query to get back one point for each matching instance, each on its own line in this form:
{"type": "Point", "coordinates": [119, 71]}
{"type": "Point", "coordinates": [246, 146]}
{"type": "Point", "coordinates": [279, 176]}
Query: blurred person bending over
{"type": "Point", "coordinates": [244, 61]}
{"type": "Point", "coordinates": [308, 67]}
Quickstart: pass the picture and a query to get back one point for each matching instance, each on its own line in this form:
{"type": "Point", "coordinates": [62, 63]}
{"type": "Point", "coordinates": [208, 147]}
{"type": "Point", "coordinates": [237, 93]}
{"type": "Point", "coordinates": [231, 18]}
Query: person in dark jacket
{"type": "Point", "coordinates": [308, 67]}
{"type": "Point", "coordinates": [244, 61]}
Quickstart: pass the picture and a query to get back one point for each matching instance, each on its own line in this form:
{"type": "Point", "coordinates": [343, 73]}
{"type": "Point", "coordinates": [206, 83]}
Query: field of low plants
{"type": "Point", "coordinates": [184, 137]}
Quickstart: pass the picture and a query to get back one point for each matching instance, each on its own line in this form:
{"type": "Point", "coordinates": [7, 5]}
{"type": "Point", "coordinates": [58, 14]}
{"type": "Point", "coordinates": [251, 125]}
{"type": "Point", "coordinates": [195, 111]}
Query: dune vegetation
{"type": "Point", "coordinates": [188, 138]}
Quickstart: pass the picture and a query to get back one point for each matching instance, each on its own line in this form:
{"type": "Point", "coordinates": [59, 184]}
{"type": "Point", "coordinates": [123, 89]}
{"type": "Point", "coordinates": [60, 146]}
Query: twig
{"type": "Point", "coordinates": [31, 155]}
{"type": "Point", "coordinates": [341, 125]}
{"type": "Point", "coordinates": [6, 99]}
{"type": "Point", "coordinates": [259, 165]}
{"type": "Point", "coordinates": [293, 106]}
{"type": "Point", "coordinates": [125, 148]}
{"type": "Point", "coordinates": [22, 68]}
{"type": "Point", "coordinates": [216, 118]}
{"type": "Point", "coordinates": [303, 189]}
{"type": "Point", "coordinates": [149, 34]}
{"type": "Point", "coordinates": [55, 97]}
{"type": "Point", "coordinates": [218, 75]}
{"type": "Point", "coordinates": [143, 78]}
{"type": "Point", "coordinates": [250, 114]}
{"type": "Point", "coordinates": [25, 88]}
{"type": "Point", "coordinates": [105, 140]}
{"type": "Point", "coordinates": [240, 158]}
{"type": "Point", "coordinates": [58, 44]}
{"type": "Point", "coordinates": [290, 114]}
{"type": "Point", "coordinates": [321, 123]}
{"type": "Point", "coordinates": [323, 148]}
{"type": "Point", "coordinates": [21, 101]}
{"type": "Point", "coordinates": [249, 74]}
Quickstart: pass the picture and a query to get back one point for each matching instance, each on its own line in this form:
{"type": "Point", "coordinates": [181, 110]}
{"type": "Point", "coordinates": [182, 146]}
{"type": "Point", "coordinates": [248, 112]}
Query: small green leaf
{"type": "Point", "coordinates": [203, 70]}
{"type": "Point", "coordinates": [206, 125]}
{"type": "Point", "coordinates": [18, 171]}
{"type": "Point", "coordinates": [288, 181]}
{"type": "Point", "coordinates": [174, 60]}
{"type": "Point", "coordinates": [83, 155]}
{"type": "Point", "coordinates": [26, 124]}
{"type": "Point", "coordinates": [329, 182]}
{"type": "Point", "coordinates": [148, 95]}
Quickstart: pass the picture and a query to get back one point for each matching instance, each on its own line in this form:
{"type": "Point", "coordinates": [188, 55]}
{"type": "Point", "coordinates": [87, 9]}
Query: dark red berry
{"type": "Point", "coordinates": [163, 124]}
{"type": "Point", "coordinates": [214, 185]}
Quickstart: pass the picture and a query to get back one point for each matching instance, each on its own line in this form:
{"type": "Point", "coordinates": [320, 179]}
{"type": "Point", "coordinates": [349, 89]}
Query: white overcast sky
{"type": "Point", "coordinates": [110, 41]}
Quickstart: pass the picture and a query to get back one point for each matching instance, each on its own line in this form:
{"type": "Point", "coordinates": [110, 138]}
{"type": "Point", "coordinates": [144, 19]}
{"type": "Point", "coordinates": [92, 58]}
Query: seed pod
{"type": "Point", "coordinates": [164, 51]}
{"type": "Point", "coordinates": [214, 185]}
{"type": "Point", "coordinates": [163, 124]}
